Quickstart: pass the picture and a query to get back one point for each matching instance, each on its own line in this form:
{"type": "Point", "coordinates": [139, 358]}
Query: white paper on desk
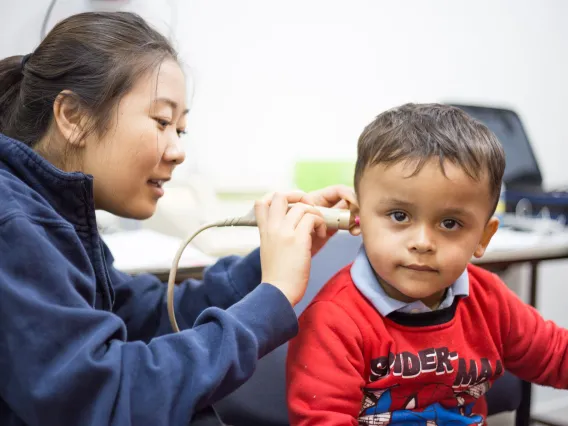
{"type": "Point", "coordinates": [508, 239]}
{"type": "Point", "coordinates": [145, 250]}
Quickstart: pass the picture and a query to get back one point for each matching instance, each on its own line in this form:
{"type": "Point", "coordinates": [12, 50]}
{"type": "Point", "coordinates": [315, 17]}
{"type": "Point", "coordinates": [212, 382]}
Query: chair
{"type": "Point", "coordinates": [522, 171]}
{"type": "Point", "coordinates": [262, 399]}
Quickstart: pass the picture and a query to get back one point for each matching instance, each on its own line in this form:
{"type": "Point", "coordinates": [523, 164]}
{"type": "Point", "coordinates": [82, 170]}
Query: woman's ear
{"type": "Point", "coordinates": [488, 232]}
{"type": "Point", "coordinates": [69, 118]}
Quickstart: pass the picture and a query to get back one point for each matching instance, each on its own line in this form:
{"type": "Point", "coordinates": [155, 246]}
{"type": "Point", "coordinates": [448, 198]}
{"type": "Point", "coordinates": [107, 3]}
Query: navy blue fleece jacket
{"type": "Point", "coordinates": [84, 344]}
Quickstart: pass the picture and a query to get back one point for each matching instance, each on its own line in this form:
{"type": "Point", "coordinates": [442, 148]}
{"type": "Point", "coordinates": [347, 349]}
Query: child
{"type": "Point", "coordinates": [411, 333]}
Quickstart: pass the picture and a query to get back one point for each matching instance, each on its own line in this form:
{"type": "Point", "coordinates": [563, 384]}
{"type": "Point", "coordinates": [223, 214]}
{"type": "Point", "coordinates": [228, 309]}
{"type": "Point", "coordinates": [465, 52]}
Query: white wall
{"type": "Point", "coordinates": [281, 80]}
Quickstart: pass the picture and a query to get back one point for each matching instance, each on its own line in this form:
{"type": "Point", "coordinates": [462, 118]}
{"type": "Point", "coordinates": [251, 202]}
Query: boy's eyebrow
{"type": "Point", "coordinates": [171, 103]}
{"type": "Point", "coordinates": [451, 211]}
{"type": "Point", "coordinates": [457, 211]}
{"type": "Point", "coordinates": [396, 201]}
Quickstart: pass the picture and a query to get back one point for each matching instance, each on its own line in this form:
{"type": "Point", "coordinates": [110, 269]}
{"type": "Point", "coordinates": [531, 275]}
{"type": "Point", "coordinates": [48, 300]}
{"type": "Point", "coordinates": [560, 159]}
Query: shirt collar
{"type": "Point", "coordinates": [366, 281]}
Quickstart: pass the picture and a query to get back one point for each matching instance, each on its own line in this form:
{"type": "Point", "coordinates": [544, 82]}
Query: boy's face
{"type": "Point", "coordinates": [421, 231]}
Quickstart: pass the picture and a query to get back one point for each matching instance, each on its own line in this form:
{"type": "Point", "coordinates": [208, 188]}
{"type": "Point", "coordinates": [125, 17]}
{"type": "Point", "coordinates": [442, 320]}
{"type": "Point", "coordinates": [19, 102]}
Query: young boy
{"type": "Point", "coordinates": [411, 333]}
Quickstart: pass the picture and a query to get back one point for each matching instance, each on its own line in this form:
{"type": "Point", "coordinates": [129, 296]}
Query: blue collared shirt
{"type": "Point", "coordinates": [366, 281]}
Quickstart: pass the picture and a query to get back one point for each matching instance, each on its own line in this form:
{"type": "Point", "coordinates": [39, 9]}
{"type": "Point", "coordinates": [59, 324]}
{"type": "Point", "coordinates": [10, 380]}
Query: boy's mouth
{"type": "Point", "coordinates": [420, 268]}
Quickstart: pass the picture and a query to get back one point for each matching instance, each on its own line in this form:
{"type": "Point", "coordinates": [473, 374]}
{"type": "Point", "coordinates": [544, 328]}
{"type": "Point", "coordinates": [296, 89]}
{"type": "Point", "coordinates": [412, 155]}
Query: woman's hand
{"type": "Point", "coordinates": [289, 239]}
{"type": "Point", "coordinates": [337, 196]}
{"type": "Point", "coordinates": [286, 241]}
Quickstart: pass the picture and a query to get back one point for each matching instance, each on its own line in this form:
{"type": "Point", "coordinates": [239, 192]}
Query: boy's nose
{"type": "Point", "coordinates": [422, 241]}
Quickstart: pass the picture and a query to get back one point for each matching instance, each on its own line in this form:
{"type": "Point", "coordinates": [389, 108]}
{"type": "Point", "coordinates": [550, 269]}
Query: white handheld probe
{"type": "Point", "coordinates": [333, 218]}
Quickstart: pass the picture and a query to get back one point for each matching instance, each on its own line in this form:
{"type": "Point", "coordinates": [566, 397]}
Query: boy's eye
{"type": "Point", "coordinates": [399, 217]}
{"type": "Point", "coordinates": [450, 224]}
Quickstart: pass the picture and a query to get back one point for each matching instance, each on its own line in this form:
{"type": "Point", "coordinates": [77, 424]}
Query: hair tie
{"type": "Point", "coordinates": [24, 60]}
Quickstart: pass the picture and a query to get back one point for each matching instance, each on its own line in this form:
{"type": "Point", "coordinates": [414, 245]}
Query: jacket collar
{"type": "Point", "coordinates": [70, 194]}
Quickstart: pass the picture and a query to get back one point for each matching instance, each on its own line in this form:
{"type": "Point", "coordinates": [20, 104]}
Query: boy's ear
{"type": "Point", "coordinates": [488, 232]}
{"type": "Point", "coordinates": [69, 118]}
{"type": "Point", "coordinates": [355, 228]}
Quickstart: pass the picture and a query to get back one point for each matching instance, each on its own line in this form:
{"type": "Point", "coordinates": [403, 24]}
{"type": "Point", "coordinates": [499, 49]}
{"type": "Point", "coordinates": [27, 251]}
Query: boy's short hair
{"type": "Point", "coordinates": [418, 132]}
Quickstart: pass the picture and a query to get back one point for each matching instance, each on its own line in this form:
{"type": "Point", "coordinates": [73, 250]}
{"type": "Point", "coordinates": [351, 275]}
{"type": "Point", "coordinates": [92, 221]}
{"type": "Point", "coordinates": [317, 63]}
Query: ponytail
{"type": "Point", "coordinates": [11, 76]}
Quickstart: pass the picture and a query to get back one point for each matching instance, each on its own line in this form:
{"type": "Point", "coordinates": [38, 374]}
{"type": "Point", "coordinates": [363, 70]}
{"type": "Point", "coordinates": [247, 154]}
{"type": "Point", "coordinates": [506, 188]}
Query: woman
{"type": "Point", "coordinates": [91, 120]}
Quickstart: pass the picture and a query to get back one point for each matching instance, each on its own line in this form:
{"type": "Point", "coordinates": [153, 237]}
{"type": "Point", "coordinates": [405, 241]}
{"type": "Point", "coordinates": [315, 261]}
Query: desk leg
{"type": "Point", "coordinates": [523, 417]}
{"type": "Point", "coordinates": [534, 280]}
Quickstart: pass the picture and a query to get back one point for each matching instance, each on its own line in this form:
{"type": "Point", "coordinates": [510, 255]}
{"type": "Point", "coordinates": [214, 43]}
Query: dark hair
{"type": "Point", "coordinates": [418, 132]}
{"type": "Point", "coordinates": [97, 57]}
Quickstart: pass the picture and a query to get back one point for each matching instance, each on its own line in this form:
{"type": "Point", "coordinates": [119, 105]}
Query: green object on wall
{"type": "Point", "coordinates": [312, 175]}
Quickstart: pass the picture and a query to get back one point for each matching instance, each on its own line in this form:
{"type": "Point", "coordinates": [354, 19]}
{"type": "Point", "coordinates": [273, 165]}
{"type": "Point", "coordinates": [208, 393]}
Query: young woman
{"type": "Point", "coordinates": [91, 120]}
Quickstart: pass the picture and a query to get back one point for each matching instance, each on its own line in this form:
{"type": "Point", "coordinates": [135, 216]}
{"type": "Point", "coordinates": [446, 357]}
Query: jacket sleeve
{"type": "Point", "coordinates": [325, 368]}
{"type": "Point", "coordinates": [64, 362]}
{"type": "Point", "coordinates": [536, 350]}
{"type": "Point", "coordinates": [141, 300]}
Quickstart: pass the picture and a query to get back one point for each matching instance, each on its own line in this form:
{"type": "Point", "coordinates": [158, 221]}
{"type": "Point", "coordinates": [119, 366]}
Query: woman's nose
{"type": "Point", "coordinates": [174, 152]}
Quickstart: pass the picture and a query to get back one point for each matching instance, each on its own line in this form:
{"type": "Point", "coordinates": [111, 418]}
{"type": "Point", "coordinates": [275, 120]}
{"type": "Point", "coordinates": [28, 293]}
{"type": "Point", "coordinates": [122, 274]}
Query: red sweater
{"type": "Point", "coordinates": [351, 366]}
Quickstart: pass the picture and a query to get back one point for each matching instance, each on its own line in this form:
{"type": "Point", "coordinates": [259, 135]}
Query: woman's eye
{"type": "Point", "coordinates": [162, 122]}
{"type": "Point", "coordinates": [450, 224]}
{"type": "Point", "coordinates": [181, 132]}
{"type": "Point", "coordinates": [399, 217]}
